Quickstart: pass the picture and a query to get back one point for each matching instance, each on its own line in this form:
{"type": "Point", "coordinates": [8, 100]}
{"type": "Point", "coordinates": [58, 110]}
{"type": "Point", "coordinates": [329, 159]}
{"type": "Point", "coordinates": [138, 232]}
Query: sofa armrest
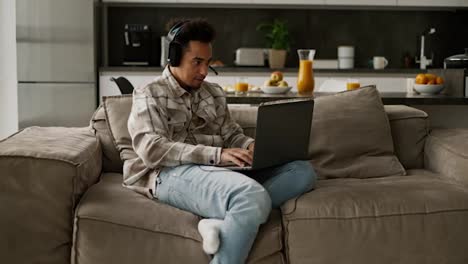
{"type": "Point", "coordinates": [43, 174]}
{"type": "Point", "coordinates": [446, 152]}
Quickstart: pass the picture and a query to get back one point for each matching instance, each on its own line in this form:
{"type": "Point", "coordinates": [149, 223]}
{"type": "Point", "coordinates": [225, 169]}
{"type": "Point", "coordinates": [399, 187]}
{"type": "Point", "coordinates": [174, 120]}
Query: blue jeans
{"type": "Point", "coordinates": [244, 201]}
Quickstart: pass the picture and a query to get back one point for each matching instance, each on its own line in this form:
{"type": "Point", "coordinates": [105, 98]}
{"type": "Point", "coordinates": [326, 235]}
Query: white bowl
{"type": "Point", "coordinates": [275, 89]}
{"type": "Point", "coordinates": [428, 88]}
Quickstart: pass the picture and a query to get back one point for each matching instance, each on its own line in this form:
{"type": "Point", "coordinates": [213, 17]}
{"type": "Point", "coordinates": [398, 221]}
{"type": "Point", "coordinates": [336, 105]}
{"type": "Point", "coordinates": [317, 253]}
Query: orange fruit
{"type": "Point", "coordinates": [439, 80]}
{"type": "Point", "coordinates": [430, 76]}
{"type": "Point", "coordinates": [433, 81]}
{"type": "Point", "coordinates": [421, 79]}
{"type": "Point", "coordinates": [420, 75]}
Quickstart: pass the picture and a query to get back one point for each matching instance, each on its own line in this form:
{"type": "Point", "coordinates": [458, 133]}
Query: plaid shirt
{"type": "Point", "coordinates": [170, 126]}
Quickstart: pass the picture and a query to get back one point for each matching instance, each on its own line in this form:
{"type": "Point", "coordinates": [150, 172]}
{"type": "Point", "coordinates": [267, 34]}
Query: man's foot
{"type": "Point", "coordinates": [209, 230]}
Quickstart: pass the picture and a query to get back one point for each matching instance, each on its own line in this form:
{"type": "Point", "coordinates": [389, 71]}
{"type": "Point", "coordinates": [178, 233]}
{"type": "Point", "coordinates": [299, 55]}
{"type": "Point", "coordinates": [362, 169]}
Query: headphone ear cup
{"type": "Point", "coordinates": [175, 53]}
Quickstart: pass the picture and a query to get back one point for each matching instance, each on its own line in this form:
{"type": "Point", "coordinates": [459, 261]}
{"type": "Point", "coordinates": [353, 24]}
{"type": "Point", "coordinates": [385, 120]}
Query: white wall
{"type": "Point", "coordinates": [8, 76]}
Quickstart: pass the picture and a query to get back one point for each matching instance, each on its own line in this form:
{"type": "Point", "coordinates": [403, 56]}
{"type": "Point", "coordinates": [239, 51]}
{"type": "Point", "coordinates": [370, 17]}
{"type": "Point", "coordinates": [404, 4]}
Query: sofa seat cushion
{"type": "Point", "coordinates": [116, 225]}
{"type": "Point", "coordinates": [419, 218]}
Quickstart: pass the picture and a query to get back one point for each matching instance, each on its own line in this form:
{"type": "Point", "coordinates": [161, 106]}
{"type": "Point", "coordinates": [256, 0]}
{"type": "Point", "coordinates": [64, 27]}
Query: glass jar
{"type": "Point", "coordinates": [305, 78]}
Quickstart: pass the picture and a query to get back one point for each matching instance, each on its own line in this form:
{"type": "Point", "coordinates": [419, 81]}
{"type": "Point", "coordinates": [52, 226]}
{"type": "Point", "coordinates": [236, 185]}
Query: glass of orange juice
{"type": "Point", "coordinates": [352, 84]}
{"type": "Point", "coordinates": [305, 78]}
{"type": "Point", "coordinates": [241, 86]}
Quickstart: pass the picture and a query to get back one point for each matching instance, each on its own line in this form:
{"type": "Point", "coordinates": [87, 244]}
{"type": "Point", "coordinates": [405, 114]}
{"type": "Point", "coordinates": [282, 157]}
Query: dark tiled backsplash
{"type": "Point", "coordinates": [390, 33]}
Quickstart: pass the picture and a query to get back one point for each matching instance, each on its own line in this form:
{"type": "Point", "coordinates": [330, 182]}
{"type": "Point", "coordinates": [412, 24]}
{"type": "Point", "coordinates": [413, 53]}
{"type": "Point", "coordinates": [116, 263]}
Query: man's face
{"type": "Point", "coordinates": [194, 64]}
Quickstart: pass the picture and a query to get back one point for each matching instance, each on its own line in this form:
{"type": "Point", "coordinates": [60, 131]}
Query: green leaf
{"type": "Point", "coordinates": [276, 34]}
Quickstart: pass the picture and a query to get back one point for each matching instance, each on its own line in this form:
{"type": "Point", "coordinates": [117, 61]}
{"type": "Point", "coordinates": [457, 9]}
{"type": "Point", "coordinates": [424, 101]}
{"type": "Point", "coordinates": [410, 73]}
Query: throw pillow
{"type": "Point", "coordinates": [351, 136]}
{"type": "Point", "coordinates": [117, 110]}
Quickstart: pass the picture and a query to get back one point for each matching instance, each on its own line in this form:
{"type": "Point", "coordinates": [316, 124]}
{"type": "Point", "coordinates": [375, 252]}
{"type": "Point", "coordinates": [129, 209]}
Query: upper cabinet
{"type": "Point", "coordinates": [216, 1]}
{"type": "Point", "coordinates": [402, 3]}
{"type": "Point", "coordinates": [362, 2]}
{"type": "Point", "coordinates": [140, 1]}
{"type": "Point", "coordinates": [290, 2]}
{"type": "Point", "coordinates": [429, 3]}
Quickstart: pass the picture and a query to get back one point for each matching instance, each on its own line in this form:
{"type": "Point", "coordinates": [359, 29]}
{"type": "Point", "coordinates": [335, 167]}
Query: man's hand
{"type": "Point", "coordinates": [251, 146]}
{"type": "Point", "coordinates": [238, 156]}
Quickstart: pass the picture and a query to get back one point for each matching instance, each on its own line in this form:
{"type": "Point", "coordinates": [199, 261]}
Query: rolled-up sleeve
{"type": "Point", "coordinates": [150, 138]}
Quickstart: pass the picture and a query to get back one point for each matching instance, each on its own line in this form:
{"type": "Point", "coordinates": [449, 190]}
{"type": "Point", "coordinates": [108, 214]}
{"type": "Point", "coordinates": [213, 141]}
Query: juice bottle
{"type": "Point", "coordinates": [305, 79]}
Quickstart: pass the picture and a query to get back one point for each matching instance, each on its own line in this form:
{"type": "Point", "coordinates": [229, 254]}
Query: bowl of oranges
{"type": "Point", "coordinates": [428, 83]}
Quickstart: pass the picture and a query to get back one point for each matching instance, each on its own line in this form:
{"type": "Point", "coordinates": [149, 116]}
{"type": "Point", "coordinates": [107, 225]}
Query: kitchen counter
{"type": "Point", "coordinates": [391, 84]}
{"type": "Point", "coordinates": [388, 98]}
{"type": "Point", "coordinates": [226, 71]}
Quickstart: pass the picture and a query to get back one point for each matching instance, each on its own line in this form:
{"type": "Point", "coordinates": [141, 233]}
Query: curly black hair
{"type": "Point", "coordinates": [193, 29]}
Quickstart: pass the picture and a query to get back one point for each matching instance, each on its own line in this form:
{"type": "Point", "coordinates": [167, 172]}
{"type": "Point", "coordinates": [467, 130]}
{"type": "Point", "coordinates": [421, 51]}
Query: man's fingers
{"type": "Point", "coordinates": [243, 155]}
{"type": "Point", "coordinates": [238, 156]}
{"type": "Point", "coordinates": [236, 161]}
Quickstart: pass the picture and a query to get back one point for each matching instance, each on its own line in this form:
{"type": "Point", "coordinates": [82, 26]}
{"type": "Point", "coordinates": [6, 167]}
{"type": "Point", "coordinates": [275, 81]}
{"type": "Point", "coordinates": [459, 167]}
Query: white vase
{"type": "Point", "coordinates": [276, 58]}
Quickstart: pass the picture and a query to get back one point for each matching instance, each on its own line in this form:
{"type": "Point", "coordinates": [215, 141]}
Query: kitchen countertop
{"type": "Point", "coordinates": [388, 98]}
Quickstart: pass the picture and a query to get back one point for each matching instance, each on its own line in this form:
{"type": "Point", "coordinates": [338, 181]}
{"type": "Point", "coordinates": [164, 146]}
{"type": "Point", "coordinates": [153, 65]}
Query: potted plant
{"type": "Point", "coordinates": [277, 37]}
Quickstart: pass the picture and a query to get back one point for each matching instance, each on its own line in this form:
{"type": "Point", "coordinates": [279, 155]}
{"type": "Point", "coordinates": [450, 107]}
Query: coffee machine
{"type": "Point", "coordinates": [137, 50]}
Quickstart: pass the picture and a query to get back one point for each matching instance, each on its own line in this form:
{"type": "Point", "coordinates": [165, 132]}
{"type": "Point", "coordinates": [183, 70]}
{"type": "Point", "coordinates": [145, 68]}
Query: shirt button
{"type": "Point", "coordinates": [168, 119]}
{"type": "Point", "coordinates": [211, 161]}
{"type": "Point", "coordinates": [188, 108]}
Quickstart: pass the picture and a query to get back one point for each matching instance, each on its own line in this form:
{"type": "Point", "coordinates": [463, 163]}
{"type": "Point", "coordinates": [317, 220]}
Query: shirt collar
{"type": "Point", "coordinates": [173, 84]}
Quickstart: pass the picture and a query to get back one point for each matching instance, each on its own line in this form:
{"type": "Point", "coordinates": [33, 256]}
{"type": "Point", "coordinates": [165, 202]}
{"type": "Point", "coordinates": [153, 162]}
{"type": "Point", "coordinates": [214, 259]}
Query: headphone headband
{"type": "Point", "coordinates": [174, 31]}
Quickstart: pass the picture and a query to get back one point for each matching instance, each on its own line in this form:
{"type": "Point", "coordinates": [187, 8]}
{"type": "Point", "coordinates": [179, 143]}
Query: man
{"type": "Point", "coordinates": [180, 128]}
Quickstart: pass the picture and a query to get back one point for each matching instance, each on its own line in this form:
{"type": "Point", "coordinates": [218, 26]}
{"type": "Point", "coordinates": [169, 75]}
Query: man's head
{"type": "Point", "coordinates": [193, 42]}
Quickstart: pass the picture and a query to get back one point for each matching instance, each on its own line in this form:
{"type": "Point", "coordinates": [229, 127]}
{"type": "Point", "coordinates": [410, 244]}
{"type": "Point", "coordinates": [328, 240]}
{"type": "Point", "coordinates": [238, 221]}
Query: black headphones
{"type": "Point", "coordinates": [175, 48]}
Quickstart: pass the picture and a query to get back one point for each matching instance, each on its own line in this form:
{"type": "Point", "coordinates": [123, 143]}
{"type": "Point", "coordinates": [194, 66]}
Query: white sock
{"type": "Point", "coordinates": [209, 230]}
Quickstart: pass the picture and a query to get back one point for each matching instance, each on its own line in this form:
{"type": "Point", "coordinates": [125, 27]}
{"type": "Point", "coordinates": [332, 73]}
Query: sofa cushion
{"type": "Point", "coordinates": [419, 218]}
{"type": "Point", "coordinates": [246, 117]}
{"type": "Point", "coordinates": [111, 161]}
{"type": "Point", "coordinates": [44, 171]}
{"type": "Point", "coordinates": [351, 136]}
{"type": "Point", "coordinates": [409, 131]}
{"type": "Point", "coordinates": [116, 225]}
{"type": "Point", "coordinates": [446, 152]}
{"type": "Point", "coordinates": [117, 110]}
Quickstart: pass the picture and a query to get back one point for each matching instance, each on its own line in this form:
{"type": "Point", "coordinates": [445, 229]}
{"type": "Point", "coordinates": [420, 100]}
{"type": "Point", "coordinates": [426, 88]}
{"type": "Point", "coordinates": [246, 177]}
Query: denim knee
{"type": "Point", "coordinates": [259, 201]}
{"type": "Point", "coordinates": [264, 203]}
{"type": "Point", "coordinates": [305, 175]}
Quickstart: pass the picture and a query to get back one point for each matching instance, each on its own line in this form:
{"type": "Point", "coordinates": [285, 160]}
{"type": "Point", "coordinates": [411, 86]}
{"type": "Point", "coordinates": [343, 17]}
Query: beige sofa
{"type": "Point", "coordinates": [62, 201]}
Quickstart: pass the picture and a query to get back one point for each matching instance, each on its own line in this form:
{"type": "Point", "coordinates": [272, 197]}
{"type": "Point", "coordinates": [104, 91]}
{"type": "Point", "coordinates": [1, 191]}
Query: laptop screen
{"type": "Point", "coordinates": [283, 132]}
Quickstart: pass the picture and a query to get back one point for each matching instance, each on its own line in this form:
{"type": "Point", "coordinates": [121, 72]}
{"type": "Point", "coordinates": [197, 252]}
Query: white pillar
{"type": "Point", "coordinates": [8, 75]}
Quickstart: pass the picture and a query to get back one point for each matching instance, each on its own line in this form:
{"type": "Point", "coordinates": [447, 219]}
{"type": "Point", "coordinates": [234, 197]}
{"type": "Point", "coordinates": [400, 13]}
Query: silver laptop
{"type": "Point", "coordinates": [282, 134]}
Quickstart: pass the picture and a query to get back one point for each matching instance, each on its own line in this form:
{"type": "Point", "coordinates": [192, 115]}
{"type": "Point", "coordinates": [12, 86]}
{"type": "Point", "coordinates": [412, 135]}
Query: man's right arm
{"type": "Point", "coordinates": [150, 138]}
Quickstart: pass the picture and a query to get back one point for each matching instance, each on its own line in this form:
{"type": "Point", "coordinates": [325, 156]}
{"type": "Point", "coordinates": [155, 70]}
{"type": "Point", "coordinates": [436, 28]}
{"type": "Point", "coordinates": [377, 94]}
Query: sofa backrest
{"type": "Point", "coordinates": [409, 127]}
